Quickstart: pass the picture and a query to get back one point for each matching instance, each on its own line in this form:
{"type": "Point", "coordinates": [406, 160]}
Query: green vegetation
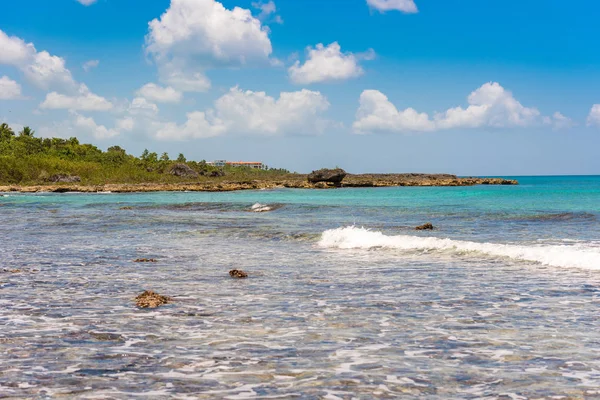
{"type": "Point", "coordinates": [29, 160]}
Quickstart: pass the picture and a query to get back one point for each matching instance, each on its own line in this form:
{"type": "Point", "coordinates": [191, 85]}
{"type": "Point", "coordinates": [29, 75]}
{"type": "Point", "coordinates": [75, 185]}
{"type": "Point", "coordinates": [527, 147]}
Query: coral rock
{"type": "Point", "coordinates": [238, 273]}
{"type": "Point", "coordinates": [150, 299]}
{"type": "Point", "coordinates": [427, 226]}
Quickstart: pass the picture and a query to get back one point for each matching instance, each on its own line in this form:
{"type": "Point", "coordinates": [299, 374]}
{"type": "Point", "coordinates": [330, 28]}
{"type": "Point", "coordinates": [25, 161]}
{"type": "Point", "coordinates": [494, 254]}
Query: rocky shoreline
{"type": "Point", "coordinates": [296, 182]}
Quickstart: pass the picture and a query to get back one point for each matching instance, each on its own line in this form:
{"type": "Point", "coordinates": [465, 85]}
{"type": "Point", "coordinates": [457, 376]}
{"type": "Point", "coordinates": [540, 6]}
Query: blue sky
{"type": "Point", "coordinates": [462, 86]}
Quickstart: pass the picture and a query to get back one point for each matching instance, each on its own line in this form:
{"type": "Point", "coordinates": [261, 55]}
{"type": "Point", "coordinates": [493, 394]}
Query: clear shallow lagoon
{"type": "Point", "coordinates": [344, 300]}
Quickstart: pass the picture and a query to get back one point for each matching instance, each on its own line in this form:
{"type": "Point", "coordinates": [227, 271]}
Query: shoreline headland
{"type": "Point", "coordinates": [295, 181]}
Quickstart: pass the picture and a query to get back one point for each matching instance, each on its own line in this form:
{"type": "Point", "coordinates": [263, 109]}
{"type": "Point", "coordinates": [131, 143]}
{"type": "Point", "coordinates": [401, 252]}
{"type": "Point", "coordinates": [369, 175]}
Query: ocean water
{"type": "Point", "coordinates": [344, 300]}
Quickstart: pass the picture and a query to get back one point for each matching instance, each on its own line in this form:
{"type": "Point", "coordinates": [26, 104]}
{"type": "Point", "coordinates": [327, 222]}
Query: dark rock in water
{"type": "Point", "coordinates": [183, 170]}
{"type": "Point", "coordinates": [126, 208]}
{"type": "Point", "coordinates": [150, 299]}
{"type": "Point", "coordinates": [336, 175]}
{"type": "Point", "coordinates": [145, 260]}
{"type": "Point", "coordinates": [62, 178]}
{"type": "Point", "coordinates": [238, 273]}
{"type": "Point", "coordinates": [427, 226]}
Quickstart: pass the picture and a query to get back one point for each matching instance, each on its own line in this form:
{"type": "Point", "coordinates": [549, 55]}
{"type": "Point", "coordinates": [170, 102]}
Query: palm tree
{"type": "Point", "coordinates": [6, 132]}
{"type": "Point", "coordinates": [27, 131]}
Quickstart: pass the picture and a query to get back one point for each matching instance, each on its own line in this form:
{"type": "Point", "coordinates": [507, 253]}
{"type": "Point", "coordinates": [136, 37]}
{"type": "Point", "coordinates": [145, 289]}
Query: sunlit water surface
{"type": "Point", "coordinates": [344, 300]}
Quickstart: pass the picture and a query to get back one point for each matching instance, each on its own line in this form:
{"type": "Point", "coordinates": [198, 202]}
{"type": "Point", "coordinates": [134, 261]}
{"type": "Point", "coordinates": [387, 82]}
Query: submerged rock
{"type": "Point", "coordinates": [12, 271]}
{"type": "Point", "coordinates": [63, 178]}
{"type": "Point", "coordinates": [427, 226]}
{"type": "Point", "coordinates": [183, 170]}
{"type": "Point", "coordinates": [238, 273]}
{"type": "Point", "coordinates": [336, 175]}
{"type": "Point", "coordinates": [126, 208]}
{"type": "Point", "coordinates": [150, 299]}
{"type": "Point", "coordinates": [145, 260]}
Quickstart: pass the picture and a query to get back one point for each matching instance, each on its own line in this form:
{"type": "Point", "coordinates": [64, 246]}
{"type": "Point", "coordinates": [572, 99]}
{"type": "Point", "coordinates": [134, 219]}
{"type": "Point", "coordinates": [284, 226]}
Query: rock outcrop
{"type": "Point", "coordinates": [293, 181]}
{"type": "Point", "coordinates": [145, 260]}
{"type": "Point", "coordinates": [335, 176]}
{"type": "Point", "coordinates": [183, 170]}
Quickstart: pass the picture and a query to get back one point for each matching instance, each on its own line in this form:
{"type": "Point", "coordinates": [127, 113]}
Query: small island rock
{"type": "Point", "coordinates": [336, 175]}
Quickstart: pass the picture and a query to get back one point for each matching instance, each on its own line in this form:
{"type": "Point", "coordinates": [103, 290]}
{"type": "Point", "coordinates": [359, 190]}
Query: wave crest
{"type": "Point", "coordinates": [577, 256]}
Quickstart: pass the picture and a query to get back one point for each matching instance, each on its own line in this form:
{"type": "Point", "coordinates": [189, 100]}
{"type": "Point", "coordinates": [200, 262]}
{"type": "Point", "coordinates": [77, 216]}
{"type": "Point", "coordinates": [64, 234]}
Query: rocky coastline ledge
{"type": "Point", "coordinates": [296, 181]}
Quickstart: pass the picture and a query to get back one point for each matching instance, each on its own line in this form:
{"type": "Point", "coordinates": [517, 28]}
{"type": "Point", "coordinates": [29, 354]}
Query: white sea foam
{"type": "Point", "coordinates": [260, 208]}
{"type": "Point", "coordinates": [578, 256]}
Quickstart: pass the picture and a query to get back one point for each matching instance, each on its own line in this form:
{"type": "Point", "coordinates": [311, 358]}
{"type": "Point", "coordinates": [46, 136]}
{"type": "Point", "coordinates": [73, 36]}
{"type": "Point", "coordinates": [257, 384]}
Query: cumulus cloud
{"type": "Point", "coordinates": [192, 36]}
{"type": "Point", "coordinates": [125, 124]}
{"type": "Point", "coordinates": [141, 106]}
{"type": "Point", "coordinates": [88, 126]}
{"type": "Point", "coordinates": [159, 94]}
{"type": "Point", "coordinates": [593, 118]}
{"type": "Point", "coordinates": [40, 68]}
{"type": "Point", "coordinates": [80, 126]}
{"type": "Point", "coordinates": [559, 121]}
{"type": "Point", "coordinates": [87, 2]}
{"type": "Point", "coordinates": [328, 63]}
{"type": "Point", "coordinates": [84, 100]}
{"type": "Point", "coordinates": [9, 89]}
{"type": "Point", "coordinates": [253, 113]}
{"type": "Point", "coordinates": [489, 106]}
{"type": "Point", "coordinates": [89, 65]}
{"type": "Point", "coordinates": [405, 6]}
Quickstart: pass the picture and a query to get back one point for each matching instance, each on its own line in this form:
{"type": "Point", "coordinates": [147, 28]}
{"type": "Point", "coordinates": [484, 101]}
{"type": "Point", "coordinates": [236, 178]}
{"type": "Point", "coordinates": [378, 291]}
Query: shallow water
{"type": "Point", "coordinates": [501, 301]}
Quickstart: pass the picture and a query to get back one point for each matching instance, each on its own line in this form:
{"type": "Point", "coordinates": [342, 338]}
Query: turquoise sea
{"type": "Point", "coordinates": [345, 299]}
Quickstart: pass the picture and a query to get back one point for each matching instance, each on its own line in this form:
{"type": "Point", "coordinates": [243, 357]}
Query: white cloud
{"type": "Point", "coordinates": [9, 89]}
{"type": "Point", "coordinates": [198, 125]}
{"type": "Point", "coordinates": [328, 64]}
{"type": "Point", "coordinates": [159, 94]}
{"type": "Point", "coordinates": [489, 106]}
{"type": "Point", "coordinates": [140, 105]}
{"type": "Point", "coordinates": [253, 113]}
{"type": "Point", "coordinates": [192, 36]}
{"type": "Point", "coordinates": [88, 126]}
{"type": "Point", "coordinates": [559, 121]}
{"type": "Point", "coordinates": [83, 101]}
{"type": "Point", "coordinates": [78, 126]}
{"type": "Point", "coordinates": [87, 2]}
{"type": "Point", "coordinates": [377, 113]}
{"type": "Point", "coordinates": [40, 68]}
{"type": "Point", "coordinates": [593, 118]}
{"type": "Point", "coordinates": [89, 65]}
{"type": "Point", "coordinates": [125, 124]}
{"type": "Point", "coordinates": [406, 6]}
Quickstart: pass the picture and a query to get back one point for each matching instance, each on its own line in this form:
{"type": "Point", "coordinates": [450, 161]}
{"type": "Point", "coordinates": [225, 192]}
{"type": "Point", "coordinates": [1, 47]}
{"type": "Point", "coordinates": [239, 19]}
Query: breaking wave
{"type": "Point", "coordinates": [577, 256]}
{"type": "Point", "coordinates": [258, 207]}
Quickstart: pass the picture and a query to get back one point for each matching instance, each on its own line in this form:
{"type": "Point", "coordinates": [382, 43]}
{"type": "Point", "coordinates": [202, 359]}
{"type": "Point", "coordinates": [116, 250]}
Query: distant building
{"type": "Point", "coordinates": [217, 163]}
{"type": "Point", "coordinates": [248, 164]}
